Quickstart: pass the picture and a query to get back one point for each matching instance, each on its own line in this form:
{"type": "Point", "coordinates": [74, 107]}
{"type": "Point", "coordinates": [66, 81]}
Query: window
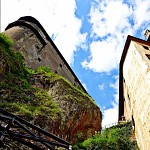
{"type": "Point", "coordinates": [133, 123]}
{"type": "Point", "coordinates": [39, 59]}
{"type": "Point", "coordinates": [60, 65]}
{"type": "Point", "coordinates": [129, 100]}
{"type": "Point", "coordinates": [124, 80]}
{"type": "Point", "coordinates": [37, 47]}
{"type": "Point", "coordinates": [128, 97]}
{"type": "Point", "coordinates": [145, 47]}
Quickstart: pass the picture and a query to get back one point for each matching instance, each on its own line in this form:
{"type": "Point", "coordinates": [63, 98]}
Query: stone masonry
{"type": "Point", "coordinates": [31, 39]}
{"type": "Point", "coordinates": [135, 77]}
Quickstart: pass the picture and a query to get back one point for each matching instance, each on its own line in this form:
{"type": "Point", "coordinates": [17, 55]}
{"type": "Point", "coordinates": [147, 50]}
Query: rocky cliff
{"type": "Point", "coordinates": [45, 98]}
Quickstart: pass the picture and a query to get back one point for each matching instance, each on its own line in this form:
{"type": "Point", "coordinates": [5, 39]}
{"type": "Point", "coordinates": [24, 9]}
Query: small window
{"type": "Point", "coordinates": [37, 47]}
{"type": "Point", "coordinates": [128, 96]}
{"type": "Point", "coordinates": [148, 56]}
{"type": "Point", "coordinates": [145, 47]}
{"type": "Point", "coordinates": [39, 59]}
{"type": "Point", "coordinates": [60, 65]}
{"type": "Point", "coordinates": [124, 80]}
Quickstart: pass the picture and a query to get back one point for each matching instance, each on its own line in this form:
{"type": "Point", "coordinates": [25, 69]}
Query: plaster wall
{"type": "Point", "coordinates": [136, 73]}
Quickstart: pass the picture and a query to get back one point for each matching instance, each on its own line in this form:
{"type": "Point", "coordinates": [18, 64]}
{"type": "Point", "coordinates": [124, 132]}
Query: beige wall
{"type": "Point", "coordinates": [136, 73]}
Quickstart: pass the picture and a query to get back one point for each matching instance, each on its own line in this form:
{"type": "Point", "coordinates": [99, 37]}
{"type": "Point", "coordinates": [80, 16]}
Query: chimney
{"type": "Point", "coordinates": [147, 35]}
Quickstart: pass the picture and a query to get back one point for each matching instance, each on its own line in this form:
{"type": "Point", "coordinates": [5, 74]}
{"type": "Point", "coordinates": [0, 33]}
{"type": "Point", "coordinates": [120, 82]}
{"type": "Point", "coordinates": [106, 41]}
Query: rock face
{"type": "Point", "coordinates": [136, 89]}
{"type": "Point", "coordinates": [79, 113]}
{"type": "Point", "coordinates": [46, 99]}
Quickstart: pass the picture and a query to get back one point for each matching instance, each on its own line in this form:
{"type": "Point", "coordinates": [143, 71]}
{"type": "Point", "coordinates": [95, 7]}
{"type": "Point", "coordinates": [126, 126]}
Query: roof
{"type": "Point", "coordinates": [125, 50]}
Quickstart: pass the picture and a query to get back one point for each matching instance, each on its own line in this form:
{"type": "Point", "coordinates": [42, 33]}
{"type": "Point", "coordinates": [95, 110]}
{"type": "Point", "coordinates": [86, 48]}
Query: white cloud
{"type": "Point", "coordinates": [57, 17]}
{"type": "Point", "coordinates": [115, 86]}
{"type": "Point", "coordinates": [141, 12]}
{"type": "Point", "coordinates": [106, 18]}
{"type": "Point", "coordinates": [104, 56]}
{"type": "Point", "coordinates": [111, 22]}
{"type": "Point", "coordinates": [101, 86]}
{"type": "Point", "coordinates": [110, 115]}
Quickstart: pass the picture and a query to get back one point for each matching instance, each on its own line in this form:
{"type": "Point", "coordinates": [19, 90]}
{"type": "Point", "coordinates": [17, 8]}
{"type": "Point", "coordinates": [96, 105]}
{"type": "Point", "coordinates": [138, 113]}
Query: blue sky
{"type": "Point", "coordinates": [91, 35]}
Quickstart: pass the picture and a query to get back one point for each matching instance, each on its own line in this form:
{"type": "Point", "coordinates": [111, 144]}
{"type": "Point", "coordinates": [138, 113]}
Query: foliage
{"type": "Point", "coordinates": [17, 94]}
{"type": "Point", "coordinates": [46, 71]}
{"type": "Point", "coordinates": [115, 138]}
{"type": "Point", "coordinates": [14, 61]}
{"type": "Point", "coordinates": [5, 41]}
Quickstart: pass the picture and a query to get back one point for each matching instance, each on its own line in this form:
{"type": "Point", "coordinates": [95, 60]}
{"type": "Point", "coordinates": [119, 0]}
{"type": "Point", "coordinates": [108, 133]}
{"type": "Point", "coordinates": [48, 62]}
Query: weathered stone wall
{"type": "Point", "coordinates": [136, 73]}
{"type": "Point", "coordinates": [80, 115]}
{"type": "Point", "coordinates": [38, 50]}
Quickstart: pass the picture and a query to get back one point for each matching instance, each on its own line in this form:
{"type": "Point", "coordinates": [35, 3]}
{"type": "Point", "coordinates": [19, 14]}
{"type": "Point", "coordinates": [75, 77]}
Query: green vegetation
{"type": "Point", "coordinates": [13, 61]}
{"type": "Point", "coordinates": [17, 94]}
{"type": "Point", "coordinates": [114, 138]}
{"type": "Point", "coordinates": [50, 75]}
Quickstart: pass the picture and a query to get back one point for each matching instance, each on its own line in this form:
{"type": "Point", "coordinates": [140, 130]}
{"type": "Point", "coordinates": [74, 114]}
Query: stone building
{"type": "Point", "coordinates": [134, 88]}
{"type": "Point", "coordinates": [38, 49]}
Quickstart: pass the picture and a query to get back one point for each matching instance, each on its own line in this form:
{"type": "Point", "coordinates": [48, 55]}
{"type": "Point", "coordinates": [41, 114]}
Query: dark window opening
{"type": "Point", "coordinates": [129, 101]}
{"type": "Point", "coordinates": [74, 84]}
{"type": "Point", "coordinates": [128, 97]}
{"type": "Point", "coordinates": [133, 122]}
{"type": "Point", "coordinates": [39, 59]}
{"type": "Point", "coordinates": [60, 65]}
{"type": "Point", "coordinates": [145, 47]}
{"type": "Point", "coordinates": [37, 47]}
{"type": "Point", "coordinates": [55, 71]}
{"type": "Point", "coordinates": [124, 80]}
{"type": "Point", "coordinates": [148, 56]}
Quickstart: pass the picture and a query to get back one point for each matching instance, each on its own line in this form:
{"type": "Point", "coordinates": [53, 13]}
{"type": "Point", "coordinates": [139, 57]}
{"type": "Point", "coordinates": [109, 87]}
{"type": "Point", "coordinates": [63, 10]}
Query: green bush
{"type": "Point", "coordinates": [115, 138]}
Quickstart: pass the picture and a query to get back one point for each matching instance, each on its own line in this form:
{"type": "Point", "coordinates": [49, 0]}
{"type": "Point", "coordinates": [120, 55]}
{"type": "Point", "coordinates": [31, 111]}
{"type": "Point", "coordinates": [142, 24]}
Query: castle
{"type": "Point", "coordinates": [134, 78]}
{"type": "Point", "coordinates": [38, 49]}
{"type": "Point", "coordinates": [79, 114]}
{"type": "Point", "coordinates": [134, 88]}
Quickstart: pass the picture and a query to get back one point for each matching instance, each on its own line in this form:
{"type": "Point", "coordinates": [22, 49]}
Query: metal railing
{"type": "Point", "coordinates": [114, 124]}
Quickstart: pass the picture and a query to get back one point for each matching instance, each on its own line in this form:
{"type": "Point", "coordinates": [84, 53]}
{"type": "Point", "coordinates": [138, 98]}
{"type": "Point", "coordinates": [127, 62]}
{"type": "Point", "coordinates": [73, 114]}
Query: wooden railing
{"type": "Point", "coordinates": [18, 129]}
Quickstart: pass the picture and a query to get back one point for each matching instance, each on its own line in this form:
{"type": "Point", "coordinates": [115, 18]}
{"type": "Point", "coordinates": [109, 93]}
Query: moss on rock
{"type": "Point", "coordinates": [17, 94]}
{"type": "Point", "coordinates": [45, 98]}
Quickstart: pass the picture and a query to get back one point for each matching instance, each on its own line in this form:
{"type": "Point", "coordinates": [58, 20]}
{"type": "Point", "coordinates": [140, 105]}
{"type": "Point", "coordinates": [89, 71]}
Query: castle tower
{"type": "Point", "coordinates": [31, 39]}
{"type": "Point", "coordinates": [134, 88]}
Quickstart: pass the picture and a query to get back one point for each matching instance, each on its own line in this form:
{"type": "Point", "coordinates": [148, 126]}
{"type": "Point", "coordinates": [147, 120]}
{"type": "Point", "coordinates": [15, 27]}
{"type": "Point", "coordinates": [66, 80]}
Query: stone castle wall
{"type": "Point", "coordinates": [136, 84]}
{"type": "Point", "coordinates": [33, 42]}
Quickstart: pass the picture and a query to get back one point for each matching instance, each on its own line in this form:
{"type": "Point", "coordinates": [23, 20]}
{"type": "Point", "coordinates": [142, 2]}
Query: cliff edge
{"type": "Point", "coordinates": [45, 98]}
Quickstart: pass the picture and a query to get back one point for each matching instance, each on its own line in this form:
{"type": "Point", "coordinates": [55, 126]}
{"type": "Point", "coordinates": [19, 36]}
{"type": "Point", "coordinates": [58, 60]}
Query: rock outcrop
{"type": "Point", "coordinates": [79, 113]}
{"type": "Point", "coordinates": [45, 98]}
